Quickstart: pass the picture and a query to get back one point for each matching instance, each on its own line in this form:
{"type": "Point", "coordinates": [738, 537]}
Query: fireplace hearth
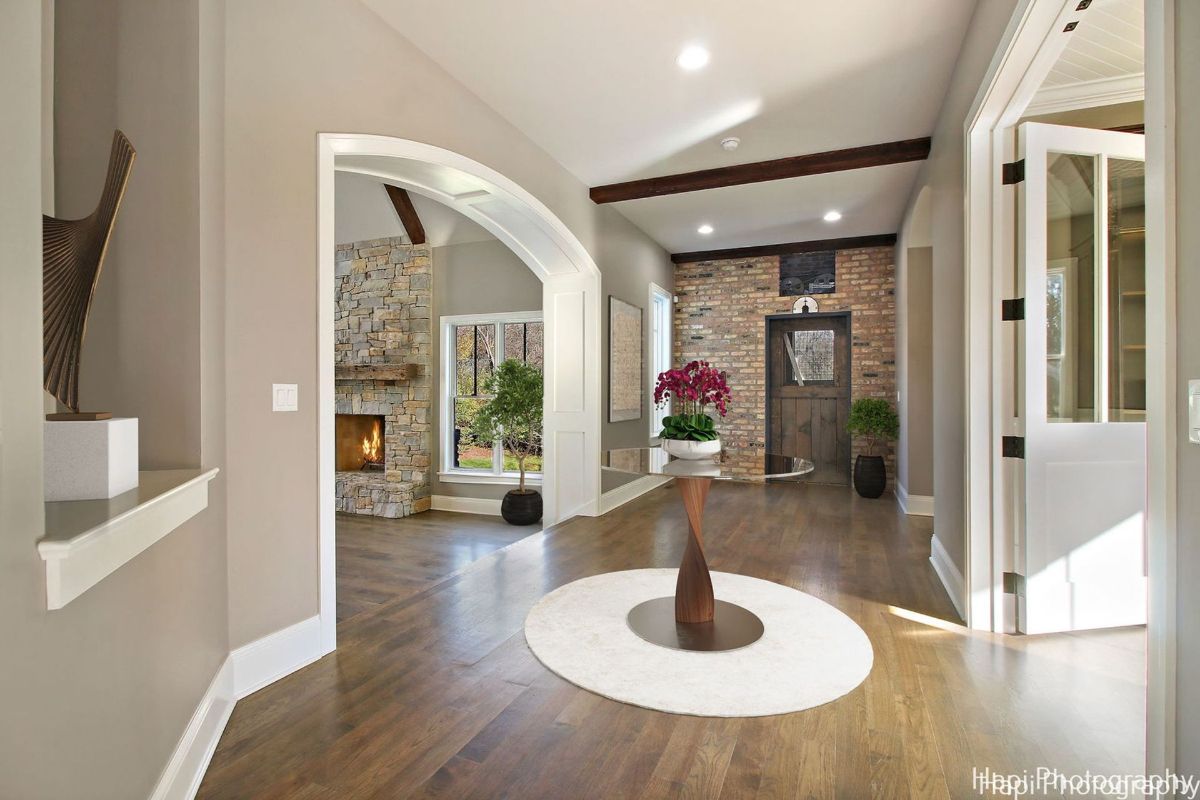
{"type": "Point", "coordinates": [360, 442]}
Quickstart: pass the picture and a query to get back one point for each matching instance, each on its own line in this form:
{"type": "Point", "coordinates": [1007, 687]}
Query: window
{"type": "Point", "coordinates": [472, 346]}
{"type": "Point", "coordinates": [660, 348]}
{"type": "Point", "coordinates": [812, 357]}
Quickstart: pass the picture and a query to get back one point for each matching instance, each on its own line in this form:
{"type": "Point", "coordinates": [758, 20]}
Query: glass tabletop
{"type": "Point", "coordinates": [731, 464]}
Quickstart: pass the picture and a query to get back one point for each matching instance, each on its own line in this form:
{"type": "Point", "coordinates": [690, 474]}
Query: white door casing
{"type": "Point", "coordinates": [661, 306]}
{"type": "Point", "coordinates": [1082, 547]}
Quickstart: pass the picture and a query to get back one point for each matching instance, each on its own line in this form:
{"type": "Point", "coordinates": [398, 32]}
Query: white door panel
{"type": "Point", "coordinates": [1082, 549]}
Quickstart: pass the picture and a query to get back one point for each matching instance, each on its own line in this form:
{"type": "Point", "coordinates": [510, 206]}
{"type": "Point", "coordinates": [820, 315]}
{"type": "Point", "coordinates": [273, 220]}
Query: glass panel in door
{"type": "Point", "coordinates": [1072, 323]}
{"type": "Point", "coordinates": [1127, 290]}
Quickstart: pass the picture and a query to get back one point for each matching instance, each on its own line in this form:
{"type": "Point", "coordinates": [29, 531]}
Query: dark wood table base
{"type": "Point", "coordinates": [700, 622]}
{"type": "Point", "coordinates": [693, 590]}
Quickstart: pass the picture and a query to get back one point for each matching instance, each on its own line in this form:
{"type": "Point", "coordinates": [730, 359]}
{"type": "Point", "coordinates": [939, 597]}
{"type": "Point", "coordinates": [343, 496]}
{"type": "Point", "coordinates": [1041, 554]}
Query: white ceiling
{"type": "Point", "coordinates": [596, 85]}
{"type": "Point", "coordinates": [1103, 62]}
{"type": "Point", "coordinates": [871, 201]}
{"type": "Point", "coordinates": [363, 211]}
{"type": "Point", "coordinates": [1107, 44]}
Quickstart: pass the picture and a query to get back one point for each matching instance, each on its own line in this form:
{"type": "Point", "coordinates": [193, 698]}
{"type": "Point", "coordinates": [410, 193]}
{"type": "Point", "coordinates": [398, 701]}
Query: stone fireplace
{"type": "Point", "coordinates": [382, 375]}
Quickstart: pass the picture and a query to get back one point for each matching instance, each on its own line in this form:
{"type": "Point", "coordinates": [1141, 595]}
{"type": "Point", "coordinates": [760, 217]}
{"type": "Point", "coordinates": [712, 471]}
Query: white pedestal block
{"type": "Point", "coordinates": [90, 460]}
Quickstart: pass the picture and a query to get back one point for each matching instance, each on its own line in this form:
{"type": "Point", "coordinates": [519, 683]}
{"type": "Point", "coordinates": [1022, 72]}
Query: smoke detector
{"type": "Point", "coordinates": [730, 143]}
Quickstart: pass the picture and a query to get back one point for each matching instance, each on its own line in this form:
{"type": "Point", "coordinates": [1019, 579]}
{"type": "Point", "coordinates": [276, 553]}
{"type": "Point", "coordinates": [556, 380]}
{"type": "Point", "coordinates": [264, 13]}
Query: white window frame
{"type": "Point", "coordinates": [662, 307]}
{"type": "Point", "coordinates": [447, 472]}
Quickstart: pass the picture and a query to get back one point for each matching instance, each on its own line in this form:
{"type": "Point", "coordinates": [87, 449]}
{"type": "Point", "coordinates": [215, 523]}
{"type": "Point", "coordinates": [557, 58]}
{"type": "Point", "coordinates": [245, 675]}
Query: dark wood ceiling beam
{"type": "Point", "coordinates": [813, 246]}
{"type": "Point", "coordinates": [874, 155]}
{"type": "Point", "coordinates": [407, 213]}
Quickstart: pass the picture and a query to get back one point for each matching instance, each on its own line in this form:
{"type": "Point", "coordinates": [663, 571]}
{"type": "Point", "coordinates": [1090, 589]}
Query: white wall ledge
{"type": "Point", "coordinates": [88, 540]}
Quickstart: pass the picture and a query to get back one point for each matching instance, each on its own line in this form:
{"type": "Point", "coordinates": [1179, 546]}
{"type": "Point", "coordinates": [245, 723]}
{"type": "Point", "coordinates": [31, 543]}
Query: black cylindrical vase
{"type": "Point", "coordinates": [521, 508]}
{"type": "Point", "coordinates": [870, 476]}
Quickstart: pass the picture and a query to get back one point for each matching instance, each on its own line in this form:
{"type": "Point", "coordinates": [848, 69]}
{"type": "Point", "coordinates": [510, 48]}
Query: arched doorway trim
{"type": "Point", "coordinates": [571, 302]}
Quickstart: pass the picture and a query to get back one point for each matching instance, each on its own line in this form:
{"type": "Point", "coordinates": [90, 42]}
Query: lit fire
{"type": "Point", "coordinates": [372, 446]}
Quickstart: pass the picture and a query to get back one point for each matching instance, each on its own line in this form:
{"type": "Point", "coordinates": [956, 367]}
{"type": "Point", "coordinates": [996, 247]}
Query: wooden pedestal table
{"type": "Point", "coordinates": [694, 619]}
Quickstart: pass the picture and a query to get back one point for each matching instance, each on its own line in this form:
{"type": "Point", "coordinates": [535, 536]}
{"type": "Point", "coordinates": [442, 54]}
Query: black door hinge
{"type": "Point", "coordinates": [1013, 309]}
{"type": "Point", "coordinates": [1012, 446]}
{"type": "Point", "coordinates": [1013, 172]}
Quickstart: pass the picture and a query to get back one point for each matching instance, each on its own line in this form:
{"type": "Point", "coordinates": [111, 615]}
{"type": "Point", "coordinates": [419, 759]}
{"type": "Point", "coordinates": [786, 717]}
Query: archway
{"type": "Point", "coordinates": [571, 303]}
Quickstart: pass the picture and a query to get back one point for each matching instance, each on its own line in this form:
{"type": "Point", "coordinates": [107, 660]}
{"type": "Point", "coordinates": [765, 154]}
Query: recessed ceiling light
{"type": "Point", "coordinates": [705, 229]}
{"type": "Point", "coordinates": [692, 57]}
{"type": "Point", "coordinates": [730, 143]}
{"type": "Point", "coordinates": [832, 216]}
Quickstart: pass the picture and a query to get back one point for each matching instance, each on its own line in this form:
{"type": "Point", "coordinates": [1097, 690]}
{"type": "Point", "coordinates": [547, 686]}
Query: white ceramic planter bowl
{"type": "Point", "coordinates": [690, 450]}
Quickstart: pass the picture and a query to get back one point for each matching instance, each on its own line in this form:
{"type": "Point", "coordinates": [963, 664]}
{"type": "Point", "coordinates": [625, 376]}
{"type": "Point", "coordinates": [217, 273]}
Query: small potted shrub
{"type": "Point", "coordinates": [691, 433]}
{"type": "Point", "coordinates": [874, 419]}
{"type": "Point", "coordinates": [513, 417]}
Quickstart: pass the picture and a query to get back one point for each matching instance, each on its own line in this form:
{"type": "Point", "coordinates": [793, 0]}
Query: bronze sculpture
{"type": "Point", "coordinates": [72, 253]}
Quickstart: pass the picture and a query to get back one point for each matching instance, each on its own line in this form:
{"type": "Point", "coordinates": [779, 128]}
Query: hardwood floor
{"type": "Point", "coordinates": [380, 560]}
{"type": "Point", "coordinates": [435, 694]}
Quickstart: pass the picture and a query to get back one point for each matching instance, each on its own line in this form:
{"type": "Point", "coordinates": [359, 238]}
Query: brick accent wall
{"type": "Point", "coordinates": [721, 317]}
{"type": "Point", "coordinates": [384, 297]}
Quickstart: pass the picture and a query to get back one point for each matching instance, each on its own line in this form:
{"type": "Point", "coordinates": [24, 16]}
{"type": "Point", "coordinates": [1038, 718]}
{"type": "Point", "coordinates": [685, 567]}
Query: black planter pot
{"type": "Point", "coordinates": [870, 476]}
{"type": "Point", "coordinates": [521, 508]}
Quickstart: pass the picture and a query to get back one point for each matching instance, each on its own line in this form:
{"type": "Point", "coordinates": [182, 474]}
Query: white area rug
{"type": "Point", "coordinates": [810, 653]}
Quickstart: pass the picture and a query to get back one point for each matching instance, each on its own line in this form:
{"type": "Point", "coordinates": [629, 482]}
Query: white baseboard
{"type": "Point", "coordinates": [181, 778]}
{"type": "Point", "coordinates": [465, 505]}
{"type": "Point", "coordinates": [951, 578]}
{"type": "Point", "coordinates": [268, 659]}
{"type": "Point", "coordinates": [919, 505]}
{"type": "Point", "coordinates": [614, 498]}
{"type": "Point", "coordinates": [244, 671]}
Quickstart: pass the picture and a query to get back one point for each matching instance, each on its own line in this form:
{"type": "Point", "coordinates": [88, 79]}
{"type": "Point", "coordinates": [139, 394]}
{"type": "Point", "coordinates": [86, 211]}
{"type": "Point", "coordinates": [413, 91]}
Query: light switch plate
{"type": "Point", "coordinates": [1194, 411]}
{"type": "Point", "coordinates": [284, 397]}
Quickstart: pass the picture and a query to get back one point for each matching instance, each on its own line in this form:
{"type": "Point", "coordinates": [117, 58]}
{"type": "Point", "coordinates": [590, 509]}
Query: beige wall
{"type": "Point", "coordinates": [95, 695]}
{"type": "Point", "coordinates": [916, 466]}
{"type": "Point", "coordinates": [942, 173]}
{"type": "Point", "coordinates": [150, 291]}
{"type": "Point", "coordinates": [474, 278]}
{"type": "Point", "coordinates": [1187, 298]}
{"type": "Point", "coordinates": [1112, 116]}
{"type": "Point", "coordinates": [288, 78]}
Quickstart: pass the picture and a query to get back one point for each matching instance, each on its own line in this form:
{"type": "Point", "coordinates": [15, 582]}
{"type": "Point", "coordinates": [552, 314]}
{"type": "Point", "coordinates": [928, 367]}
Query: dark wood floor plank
{"type": "Point", "coordinates": [433, 692]}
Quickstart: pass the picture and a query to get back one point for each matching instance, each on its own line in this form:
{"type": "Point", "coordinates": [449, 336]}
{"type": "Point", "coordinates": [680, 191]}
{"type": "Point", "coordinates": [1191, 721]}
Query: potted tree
{"type": "Point", "coordinates": [513, 417]}
{"type": "Point", "coordinates": [691, 433]}
{"type": "Point", "coordinates": [873, 418]}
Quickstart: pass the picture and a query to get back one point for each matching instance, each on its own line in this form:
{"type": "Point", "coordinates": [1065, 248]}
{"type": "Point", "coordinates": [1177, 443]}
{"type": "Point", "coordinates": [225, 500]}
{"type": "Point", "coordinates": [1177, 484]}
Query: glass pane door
{"type": "Point", "coordinates": [1127, 290]}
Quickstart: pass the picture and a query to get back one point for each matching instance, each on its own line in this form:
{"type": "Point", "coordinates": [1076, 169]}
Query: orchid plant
{"type": "Point", "coordinates": [693, 388]}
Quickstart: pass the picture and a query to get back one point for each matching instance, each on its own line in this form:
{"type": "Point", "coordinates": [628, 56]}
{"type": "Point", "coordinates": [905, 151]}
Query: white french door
{"type": "Point", "coordinates": [1080, 380]}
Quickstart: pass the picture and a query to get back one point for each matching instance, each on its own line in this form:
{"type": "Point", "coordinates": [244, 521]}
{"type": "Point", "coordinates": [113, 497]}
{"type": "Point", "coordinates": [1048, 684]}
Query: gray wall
{"type": "Point", "coordinates": [1112, 116]}
{"type": "Point", "coordinates": [1187, 298]}
{"type": "Point", "coordinates": [474, 278]}
{"type": "Point", "coordinates": [96, 695]}
{"type": "Point", "coordinates": [942, 173]}
{"type": "Point", "coordinates": [918, 410]}
{"type": "Point", "coordinates": [631, 284]}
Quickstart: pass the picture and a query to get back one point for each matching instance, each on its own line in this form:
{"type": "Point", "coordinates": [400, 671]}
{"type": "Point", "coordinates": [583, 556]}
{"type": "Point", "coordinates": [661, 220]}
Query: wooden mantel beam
{"type": "Point", "coordinates": [874, 155]}
{"type": "Point", "coordinates": [407, 212]}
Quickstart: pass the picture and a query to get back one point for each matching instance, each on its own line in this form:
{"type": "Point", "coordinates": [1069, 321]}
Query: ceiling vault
{"type": "Point", "coordinates": [813, 246]}
{"type": "Point", "coordinates": [407, 213]}
{"type": "Point", "coordinates": [873, 155]}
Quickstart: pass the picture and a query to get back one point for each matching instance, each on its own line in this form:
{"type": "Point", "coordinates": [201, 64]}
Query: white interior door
{"type": "Point", "coordinates": [1081, 262]}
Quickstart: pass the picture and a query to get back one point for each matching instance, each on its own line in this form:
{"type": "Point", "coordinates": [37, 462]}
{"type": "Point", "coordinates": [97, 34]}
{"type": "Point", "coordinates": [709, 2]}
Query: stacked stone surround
{"type": "Point", "coordinates": [721, 313]}
{"type": "Point", "coordinates": [383, 317]}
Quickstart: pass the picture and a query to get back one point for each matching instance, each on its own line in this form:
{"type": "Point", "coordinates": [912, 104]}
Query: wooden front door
{"type": "Point", "coordinates": [808, 391]}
